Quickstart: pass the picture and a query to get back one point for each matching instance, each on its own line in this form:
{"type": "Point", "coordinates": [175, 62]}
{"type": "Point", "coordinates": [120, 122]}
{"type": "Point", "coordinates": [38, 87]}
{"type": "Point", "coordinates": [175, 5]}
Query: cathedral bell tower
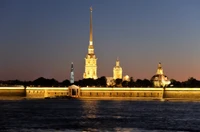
{"type": "Point", "coordinates": [90, 60]}
{"type": "Point", "coordinates": [117, 71]}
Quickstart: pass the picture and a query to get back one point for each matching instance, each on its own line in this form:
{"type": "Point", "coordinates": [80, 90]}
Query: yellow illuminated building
{"type": "Point", "coordinates": [90, 60]}
{"type": "Point", "coordinates": [160, 80]}
{"type": "Point", "coordinates": [117, 71]}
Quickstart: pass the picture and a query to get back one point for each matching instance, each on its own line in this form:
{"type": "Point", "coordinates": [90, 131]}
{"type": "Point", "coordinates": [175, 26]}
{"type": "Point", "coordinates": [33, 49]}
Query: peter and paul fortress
{"type": "Point", "coordinates": [159, 91]}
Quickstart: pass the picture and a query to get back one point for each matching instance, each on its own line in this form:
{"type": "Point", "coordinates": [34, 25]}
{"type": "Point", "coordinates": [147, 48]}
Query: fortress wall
{"type": "Point", "coordinates": [99, 92]}
{"type": "Point", "coordinates": [42, 92]}
{"type": "Point", "coordinates": [121, 92]}
{"type": "Point", "coordinates": [182, 93]}
{"type": "Point", "coordinates": [35, 93]}
{"type": "Point", "coordinates": [12, 91]}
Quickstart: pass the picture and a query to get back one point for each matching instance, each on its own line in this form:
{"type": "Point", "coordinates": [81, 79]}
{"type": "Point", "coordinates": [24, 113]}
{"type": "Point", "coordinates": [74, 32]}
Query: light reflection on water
{"type": "Point", "coordinates": [98, 115]}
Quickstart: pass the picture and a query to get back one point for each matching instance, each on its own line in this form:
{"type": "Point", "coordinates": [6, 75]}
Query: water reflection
{"type": "Point", "coordinates": [98, 115]}
{"type": "Point", "coordinates": [90, 108]}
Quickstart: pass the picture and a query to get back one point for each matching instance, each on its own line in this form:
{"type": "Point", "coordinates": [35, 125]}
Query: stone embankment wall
{"type": "Point", "coordinates": [12, 91]}
{"type": "Point", "coordinates": [42, 92]}
{"type": "Point", "coordinates": [101, 92]}
{"type": "Point", "coordinates": [153, 93]}
{"type": "Point", "coordinates": [182, 93]}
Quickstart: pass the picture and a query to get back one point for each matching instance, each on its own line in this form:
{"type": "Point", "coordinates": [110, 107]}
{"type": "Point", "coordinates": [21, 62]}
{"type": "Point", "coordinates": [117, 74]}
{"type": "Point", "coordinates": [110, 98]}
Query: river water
{"type": "Point", "coordinates": [98, 115]}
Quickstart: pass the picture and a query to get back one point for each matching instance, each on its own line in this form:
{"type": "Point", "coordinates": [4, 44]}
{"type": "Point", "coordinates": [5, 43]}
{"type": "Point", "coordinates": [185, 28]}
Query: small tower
{"type": "Point", "coordinates": [117, 70]}
{"type": "Point", "coordinates": [72, 74]}
{"type": "Point", "coordinates": [159, 70]}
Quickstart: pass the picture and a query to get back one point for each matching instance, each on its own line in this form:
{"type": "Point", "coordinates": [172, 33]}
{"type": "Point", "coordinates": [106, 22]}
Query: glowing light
{"type": "Point", "coordinates": [49, 88]}
{"type": "Point", "coordinates": [7, 88]}
{"type": "Point", "coordinates": [91, 43]}
{"type": "Point", "coordinates": [118, 89]}
{"type": "Point", "coordinates": [182, 89]}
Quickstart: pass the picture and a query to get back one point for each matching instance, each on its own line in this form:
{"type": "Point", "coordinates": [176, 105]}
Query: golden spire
{"type": "Point", "coordinates": [91, 47]}
{"type": "Point", "coordinates": [91, 34]}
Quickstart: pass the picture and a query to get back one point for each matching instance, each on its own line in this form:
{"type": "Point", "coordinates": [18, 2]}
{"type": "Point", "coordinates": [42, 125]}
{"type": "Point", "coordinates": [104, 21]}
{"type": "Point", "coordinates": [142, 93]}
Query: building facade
{"type": "Point", "coordinates": [117, 70]}
{"type": "Point", "coordinates": [90, 60]}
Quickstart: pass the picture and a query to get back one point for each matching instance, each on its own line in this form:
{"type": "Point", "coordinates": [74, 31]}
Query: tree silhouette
{"type": "Point", "coordinates": [125, 83]}
{"type": "Point", "coordinates": [101, 82]}
{"type": "Point", "coordinates": [192, 82]}
{"type": "Point", "coordinates": [45, 82]}
{"type": "Point", "coordinates": [175, 83]}
{"type": "Point", "coordinates": [131, 82]}
{"type": "Point", "coordinates": [118, 82]}
{"type": "Point", "coordinates": [65, 83]}
{"type": "Point", "coordinates": [146, 83]}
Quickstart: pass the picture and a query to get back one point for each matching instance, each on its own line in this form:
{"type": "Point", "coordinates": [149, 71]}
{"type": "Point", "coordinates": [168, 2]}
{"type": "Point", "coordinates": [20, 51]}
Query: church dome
{"type": "Point", "coordinates": [159, 79]}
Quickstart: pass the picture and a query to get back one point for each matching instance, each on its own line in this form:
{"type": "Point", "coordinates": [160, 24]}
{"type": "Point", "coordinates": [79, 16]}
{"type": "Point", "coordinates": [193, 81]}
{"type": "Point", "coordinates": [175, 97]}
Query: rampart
{"type": "Point", "coordinates": [101, 92]}
{"type": "Point", "coordinates": [43, 92]}
{"type": "Point", "coordinates": [151, 93]}
{"type": "Point", "coordinates": [182, 93]}
{"type": "Point", "coordinates": [12, 91]}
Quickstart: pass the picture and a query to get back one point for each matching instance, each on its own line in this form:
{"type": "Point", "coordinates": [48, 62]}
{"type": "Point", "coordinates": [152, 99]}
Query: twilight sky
{"type": "Point", "coordinates": [42, 37]}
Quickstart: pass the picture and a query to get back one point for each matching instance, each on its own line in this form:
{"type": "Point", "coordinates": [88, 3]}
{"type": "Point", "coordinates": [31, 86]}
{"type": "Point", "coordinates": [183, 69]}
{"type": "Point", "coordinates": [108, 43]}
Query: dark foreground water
{"type": "Point", "coordinates": [98, 115]}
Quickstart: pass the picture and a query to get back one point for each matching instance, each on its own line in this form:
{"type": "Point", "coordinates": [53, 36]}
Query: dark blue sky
{"type": "Point", "coordinates": [42, 37]}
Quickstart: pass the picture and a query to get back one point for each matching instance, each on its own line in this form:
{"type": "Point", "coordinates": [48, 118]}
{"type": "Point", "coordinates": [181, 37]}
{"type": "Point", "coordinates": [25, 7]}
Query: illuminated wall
{"type": "Point", "coordinates": [12, 91]}
{"type": "Point", "coordinates": [121, 92]}
{"type": "Point", "coordinates": [102, 92]}
{"type": "Point", "coordinates": [42, 92]}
